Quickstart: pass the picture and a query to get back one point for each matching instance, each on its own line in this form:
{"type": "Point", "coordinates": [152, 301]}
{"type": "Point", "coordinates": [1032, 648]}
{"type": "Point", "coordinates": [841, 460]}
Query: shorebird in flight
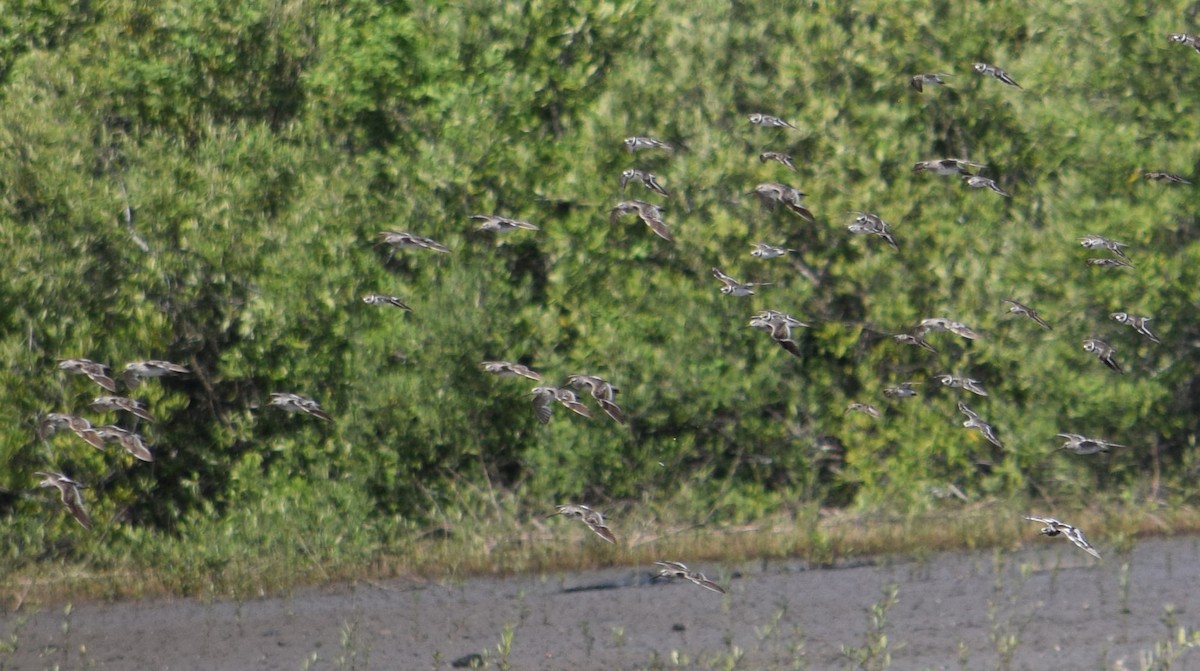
{"type": "Point", "coordinates": [774, 193]}
{"type": "Point", "coordinates": [130, 405]}
{"type": "Point", "coordinates": [1170, 178]}
{"type": "Point", "coordinates": [1081, 444]}
{"type": "Point", "coordinates": [296, 403]}
{"type": "Point", "coordinates": [674, 569]}
{"type": "Point", "coordinates": [993, 71]}
{"type": "Point", "coordinates": [780, 326]}
{"type": "Point", "coordinates": [495, 222]}
{"type": "Point", "coordinates": [974, 421]}
{"type": "Point", "coordinates": [865, 408]}
{"type": "Point", "coordinates": [650, 214]}
{"type": "Point", "coordinates": [943, 324]}
{"type": "Point", "coordinates": [920, 81]}
{"type": "Point", "coordinates": [128, 440]}
{"type": "Point", "coordinates": [402, 240]}
{"type": "Point", "coordinates": [1110, 263]}
{"type": "Point", "coordinates": [96, 372]}
{"type": "Point", "coordinates": [1025, 311]}
{"type": "Point", "coordinates": [956, 382]}
{"type": "Point", "coordinates": [602, 391]}
{"type": "Point", "coordinates": [1092, 241]}
{"type": "Point", "coordinates": [1103, 351]}
{"type": "Point", "coordinates": [872, 224]}
{"type": "Point", "coordinates": [80, 426]}
{"type": "Point", "coordinates": [785, 159]}
{"type": "Point", "coordinates": [381, 299]}
{"type": "Point", "coordinates": [68, 490]}
{"type": "Point", "coordinates": [768, 121]}
{"type": "Point", "coordinates": [1054, 528]}
{"type": "Point", "coordinates": [903, 390]}
{"type": "Point", "coordinates": [1184, 38]}
{"type": "Point", "coordinates": [1139, 324]}
{"type": "Point", "coordinates": [977, 182]}
{"type": "Point", "coordinates": [764, 251]}
{"type": "Point", "coordinates": [134, 372]}
{"type": "Point", "coordinates": [592, 518]}
{"type": "Point", "coordinates": [646, 179]}
{"type": "Point", "coordinates": [639, 142]}
{"type": "Point", "coordinates": [913, 339]}
{"type": "Point", "coordinates": [735, 288]}
{"type": "Point", "coordinates": [544, 397]}
{"type": "Point", "coordinates": [946, 167]}
{"type": "Point", "coordinates": [506, 369]}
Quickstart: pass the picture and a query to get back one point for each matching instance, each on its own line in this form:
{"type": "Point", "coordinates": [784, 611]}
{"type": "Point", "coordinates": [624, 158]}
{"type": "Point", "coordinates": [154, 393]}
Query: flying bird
{"type": "Point", "coordinates": [993, 71]}
{"type": "Point", "coordinates": [646, 179]}
{"type": "Point", "coordinates": [977, 182]}
{"type": "Point", "coordinates": [920, 81]}
{"type": "Point", "coordinates": [603, 391]}
{"type": "Point", "coordinates": [78, 425]}
{"type": "Point", "coordinates": [136, 371]}
{"type": "Point", "coordinates": [1168, 177]}
{"type": "Point", "coordinates": [1139, 324]}
{"type": "Point", "coordinates": [638, 142]}
{"type": "Point", "coordinates": [944, 324]}
{"type": "Point", "coordinates": [772, 194]}
{"type": "Point", "coordinates": [872, 224]}
{"type": "Point", "coordinates": [650, 214]}
{"type": "Point", "coordinates": [735, 288]}
{"type": "Point", "coordinates": [96, 372]}
{"type": "Point", "coordinates": [506, 369]}
{"type": "Point", "coordinates": [768, 121]}
{"type": "Point", "coordinates": [544, 397]}
{"type": "Point", "coordinates": [128, 440]}
{"type": "Point", "coordinates": [674, 569]}
{"type": "Point", "coordinates": [903, 390]}
{"type": "Point", "coordinates": [403, 240]}
{"type": "Point", "coordinates": [495, 222]}
{"type": "Point", "coordinates": [913, 339]}
{"type": "Point", "coordinates": [764, 251]}
{"type": "Point", "coordinates": [381, 299]}
{"type": "Point", "coordinates": [1110, 263]}
{"type": "Point", "coordinates": [296, 403]}
{"type": "Point", "coordinates": [592, 518]}
{"type": "Point", "coordinates": [114, 403]}
{"type": "Point", "coordinates": [785, 159]}
{"type": "Point", "coordinates": [1092, 241]}
{"type": "Point", "coordinates": [1025, 311]}
{"type": "Point", "coordinates": [974, 421]}
{"type": "Point", "coordinates": [68, 490]}
{"type": "Point", "coordinates": [956, 382]}
{"type": "Point", "coordinates": [1080, 444]}
{"type": "Point", "coordinates": [1054, 528]}
{"type": "Point", "coordinates": [1103, 351]}
{"type": "Point", "coordinates": [946, 167]}
{"type": "Point", "coordinates": [865, 408]}
{"type": "Point", "coordinates": [780, 326]}
{"type": "Point", "coordinates": [1184, 38]}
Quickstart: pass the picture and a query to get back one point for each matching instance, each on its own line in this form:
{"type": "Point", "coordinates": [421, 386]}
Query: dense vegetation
{"type": "Point", "coordinates": [202, 182]}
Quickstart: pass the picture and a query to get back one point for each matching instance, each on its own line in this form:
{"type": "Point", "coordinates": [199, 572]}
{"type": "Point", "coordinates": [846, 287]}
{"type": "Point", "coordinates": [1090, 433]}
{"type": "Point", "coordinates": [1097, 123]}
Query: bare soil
{"type": "Point", "coordinates": [1051, 607]}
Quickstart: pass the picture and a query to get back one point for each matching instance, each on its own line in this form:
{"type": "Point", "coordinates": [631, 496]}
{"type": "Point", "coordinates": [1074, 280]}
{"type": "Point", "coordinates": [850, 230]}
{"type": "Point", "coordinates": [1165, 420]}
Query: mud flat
{"type": "Point", "coordinates": [1051, 607]}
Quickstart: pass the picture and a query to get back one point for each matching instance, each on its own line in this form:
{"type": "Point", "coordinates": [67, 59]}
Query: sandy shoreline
{"type": "Point", "coordinates": [1051, 607]}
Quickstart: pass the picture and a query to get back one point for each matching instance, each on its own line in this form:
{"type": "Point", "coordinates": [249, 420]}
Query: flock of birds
{"type": "Point", "coordinates": [780, 326]}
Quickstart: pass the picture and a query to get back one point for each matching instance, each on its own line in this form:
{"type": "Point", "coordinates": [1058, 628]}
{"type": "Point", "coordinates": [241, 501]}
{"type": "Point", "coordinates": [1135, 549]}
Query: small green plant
{"type": "Point", "coordinates": [875, 652]}
{"type": "Point", "coordinates": [504, 647]}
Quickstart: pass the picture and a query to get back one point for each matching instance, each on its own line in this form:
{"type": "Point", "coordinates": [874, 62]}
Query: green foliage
{"type": "Point", "coordinates": [203, 182]}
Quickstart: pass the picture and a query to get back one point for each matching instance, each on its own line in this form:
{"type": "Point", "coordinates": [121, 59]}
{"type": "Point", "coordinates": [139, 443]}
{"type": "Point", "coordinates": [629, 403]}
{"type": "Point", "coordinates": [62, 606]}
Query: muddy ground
{"type": "Point", "coordinates": [1052, 607]}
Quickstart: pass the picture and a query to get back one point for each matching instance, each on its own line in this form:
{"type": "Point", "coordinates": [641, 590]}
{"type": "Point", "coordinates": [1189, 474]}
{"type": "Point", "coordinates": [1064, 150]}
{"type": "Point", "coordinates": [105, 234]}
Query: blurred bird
{"type": "Point", "coordinates": [592, 518]}
{"type": "Point", "coordinates": [130, 405]}
{"type": "Point", "coordinates": [993, 71]}
{"type": "Point", "coordinates": [1103, 351]}
{"type": "Point", "coordinates": [96, 372]}
{"type": "Point", "coordinates": [1110, 263]}
{"type": "Point", "coordinates": [506, 369]}
{"type": "Point", "coordinates": [128, 440]}
{"type": "Point", "coordinates": [674, 569]}
{"type": "Point", "coordinates": [402, 240]}
{"type": "Point", "coordinates": [872, 224]}
{"type": "Point", "coordinates": [68, 490]}
{"type": "Point", "coordinates": [1054, 528]}
{"type": "Point", "coordinates": [1184, 38]}
{"type": "Point", "coordinates": [1080, 444]}
{"type": "Point", "coordinates": [943, 324]}
{"type": "Point", "coordinates": [602, 391]}
{"type": "Point", "coordinates": [785, 159]}
{"type": "Point", "coordinates": [543, 398]}
{"type": "Point", "coordinates": [945, 167]}
{"type": "Point", "coordinates": [1139, 324]}
{"type": "Point", "coordinates": [920, 81]}
{"type": "Point", "coordinates": [78, 425]}
{"type": "Point", "coordinates": [1025, 311]}
{"type": "Point", "coordinates": [296, 403]}
{"type": "Point", "coordinates": [1092, 241]}
{"type": "Point", "coordinates": [974, 421]}
{"type": "Point", "coordinates": [650, 214]}
{"type": "Point", "coordinates": [646, 179]}
{"type": "Point", "coordinates": [914, 340]}
{"type": "Point", "coordinates": [494, 222]}
{"type": "Point", "coordinates": [134, 372]}
{"type": "Point", "coordinates": [638, 142]}
{"type": "Point", "coordinates": [735, 288]}
{"type": "Point", "coordinates": [865, 408]}
{"type": "Point", "coordinates": [381, 299]}
{"type": "Point", "coordinates": [1165, 177]}
{"type": "Point", "coordinates": [977, 182]}
{"type": "Point", "coordinates": [956, 382]}
{"type": "Point", "coordinates": [903, 390]}
{"type": "Point", "coordinates": [780, 326]}
{"type": "Point", "coordinates": [773, 193]}
{"type": "Point", "coordinates": [764, 251]}
{"type": "Point", "coordinates": [768, 121]}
